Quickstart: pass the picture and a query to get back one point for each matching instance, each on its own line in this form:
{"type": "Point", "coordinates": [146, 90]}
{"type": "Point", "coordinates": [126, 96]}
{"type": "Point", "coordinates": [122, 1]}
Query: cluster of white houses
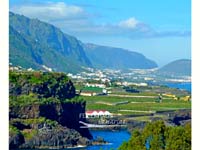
{"type": "Point", "coordinates": [98, 114]}
{"type": "Point", "coordinates": [91, 93]}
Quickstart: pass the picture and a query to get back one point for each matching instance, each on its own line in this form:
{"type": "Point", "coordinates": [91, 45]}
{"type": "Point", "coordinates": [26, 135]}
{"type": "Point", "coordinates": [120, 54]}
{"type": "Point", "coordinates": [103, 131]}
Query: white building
{"type": "Point", "coordinates": [98, 113]}
{"type": "Point", "coordinates": [95, 85]}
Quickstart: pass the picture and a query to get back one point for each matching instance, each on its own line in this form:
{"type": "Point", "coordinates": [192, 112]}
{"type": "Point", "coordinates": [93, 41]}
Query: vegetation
{"type": "Point", "coordinates": [13, 130]}
{"type": "Point", "coordinates": [91, 89]}
{"type": "Point", "coordinates": [34, 121]}
{"type": "Point", "coordinates": [157, 136]}
{"type": "Point", "coordinates": [134, 105]}
{"type": "Point", "coordinates": [34, 43]}
{"type": "Point", "coordinates": [29, 134]}
{"type": "Point", "coordinates": [36, 96]}
{"type": "Point", "coordinates": [39, 87]}
{"type": "Point", "coordinates": [149, 90]}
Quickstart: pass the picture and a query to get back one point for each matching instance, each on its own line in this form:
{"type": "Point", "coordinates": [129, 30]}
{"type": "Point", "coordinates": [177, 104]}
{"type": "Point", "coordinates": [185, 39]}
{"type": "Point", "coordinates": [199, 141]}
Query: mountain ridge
{"type": "Point", "coordinates": [46, 40]}
{"type": "Point", "coordinates": [34, 43]}
{"type": "Point", "coordinates": [117, 58]}
{"type": "Point", "coordinates": [177, 67]}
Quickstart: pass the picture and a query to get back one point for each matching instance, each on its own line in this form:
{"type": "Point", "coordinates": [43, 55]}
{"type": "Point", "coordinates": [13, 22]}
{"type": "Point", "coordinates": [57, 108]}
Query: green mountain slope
{"type": "Point", "coordinates": [38, 43]}
{"type": "Point", "coordinates": [178, 67]}
{"type": "Point", "coordinates": [34, 44]}
{"type": "Point", "coordinates": [116, 58]}
{"type": "Point", "coordinates": [21, 50]}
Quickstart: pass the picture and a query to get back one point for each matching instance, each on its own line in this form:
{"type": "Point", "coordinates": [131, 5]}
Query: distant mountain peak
{"type": "Point", "coordinates": [177, 67]}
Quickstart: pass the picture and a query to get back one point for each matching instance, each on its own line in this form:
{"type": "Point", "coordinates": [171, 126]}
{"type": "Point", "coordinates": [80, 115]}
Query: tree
{"type": "Point", "coordinates": [154, 132]}
{"type": "Point", "coordinates": [178, 137]}
{"type": "Point", "coordinates": [157, 136]}
{"type": "Point", "coordinates": [135, 142]}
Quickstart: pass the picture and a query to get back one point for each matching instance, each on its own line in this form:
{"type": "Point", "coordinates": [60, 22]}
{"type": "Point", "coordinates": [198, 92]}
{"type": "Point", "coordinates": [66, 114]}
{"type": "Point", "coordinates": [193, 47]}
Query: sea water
{"type": "Point", "coordinates": [186, 85]}
{"type": "Point", "coordinates": [114, 139]}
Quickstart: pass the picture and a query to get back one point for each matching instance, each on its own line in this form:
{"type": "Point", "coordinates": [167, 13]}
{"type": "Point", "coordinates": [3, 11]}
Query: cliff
{"type": "Point", "coordinates": [66, 114]}
{"type": "Point", "coordinates": [56, 124]}
{"type": "Point", "coordinates": [44, 112]}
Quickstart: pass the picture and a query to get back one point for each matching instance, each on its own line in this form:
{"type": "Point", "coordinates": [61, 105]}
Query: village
{"type": "Point", "coordinates": [111, 93]}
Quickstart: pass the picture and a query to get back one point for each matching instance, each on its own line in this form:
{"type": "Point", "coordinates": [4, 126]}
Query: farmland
{"type": "Point", "coordinates": [134, 105]}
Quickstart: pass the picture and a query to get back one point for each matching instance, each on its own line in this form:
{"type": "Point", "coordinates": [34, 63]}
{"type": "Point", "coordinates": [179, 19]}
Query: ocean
{"type": "Point", "coordinates": [115, 139]}
{"type": "Point", "coordinates": [186, 86]}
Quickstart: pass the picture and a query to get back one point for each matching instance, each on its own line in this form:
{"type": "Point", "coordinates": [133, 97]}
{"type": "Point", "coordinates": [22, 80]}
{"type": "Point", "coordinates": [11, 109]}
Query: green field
{"type": "Point", "coordinates": [139, 105]}
{"type": "Point", "coordinates": [114, 99]}
{"type": "Point", "coordinates": [149, 91]}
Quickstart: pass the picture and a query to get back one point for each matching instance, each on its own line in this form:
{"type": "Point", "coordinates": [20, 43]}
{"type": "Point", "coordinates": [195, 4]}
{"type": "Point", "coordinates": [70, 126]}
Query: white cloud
{"type": "Point", "coordinates": [129, 23]}
{"type": "Point", "coordinates": [50, 11]}
{"type": "Point", "coordinates": [75, 20]}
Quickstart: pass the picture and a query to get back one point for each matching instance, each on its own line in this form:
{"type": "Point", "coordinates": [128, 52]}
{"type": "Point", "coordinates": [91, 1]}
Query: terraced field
{"type": "Point", "coordinates": [133, 105]}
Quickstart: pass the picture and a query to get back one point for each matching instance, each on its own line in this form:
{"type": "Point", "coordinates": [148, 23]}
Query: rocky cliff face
{"type": "Point", "coordinates": [66, 114]}
{"type": "Point", "coordinates": [66, 132]}
{"type": "Point", "coordinates": [44, 112]}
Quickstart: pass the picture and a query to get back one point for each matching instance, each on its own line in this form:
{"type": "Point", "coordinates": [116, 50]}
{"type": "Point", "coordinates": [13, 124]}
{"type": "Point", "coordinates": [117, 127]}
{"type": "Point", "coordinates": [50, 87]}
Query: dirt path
{"type": "Point", "coordinates": [140, 96]}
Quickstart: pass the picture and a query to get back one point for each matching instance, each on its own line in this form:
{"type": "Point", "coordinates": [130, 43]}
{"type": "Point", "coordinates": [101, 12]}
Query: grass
{"type": "Point", "coordinates": [167, 104]}
{"type": "Point", "coordinates": [35, 121]}
{"type": "Point", "coordinates": [136, 94]}
{"type": "Point", "coordinates": [114, 99]}
{"type": "Point", "coordinates": [147, 118]}
{"type": "Point", "coordinates": [29, 133]}
{"type": "Point", "coordinates": [149, 91]}
{"type": "Point", "coordinates": [13, 130]}
{"type": "Point", "coordinates": [25, 100]}
{"type": "Point", "coordinates": [92, 89]}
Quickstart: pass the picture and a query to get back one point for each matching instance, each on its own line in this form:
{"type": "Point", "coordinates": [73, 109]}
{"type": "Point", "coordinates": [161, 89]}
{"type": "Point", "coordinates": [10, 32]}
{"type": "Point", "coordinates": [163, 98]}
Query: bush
{"type": "Point", "coordinates": [157, 136]}
{"type": "Point", "coordinates": [39, 87]}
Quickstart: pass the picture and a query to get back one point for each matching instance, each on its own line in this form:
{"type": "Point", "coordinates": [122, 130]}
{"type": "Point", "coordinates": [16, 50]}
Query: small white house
{"type": "Point", "coordinates": [98, 113]}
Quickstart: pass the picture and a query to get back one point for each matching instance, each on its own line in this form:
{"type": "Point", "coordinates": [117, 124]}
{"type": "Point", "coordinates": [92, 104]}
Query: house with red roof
{"type": "Point", "coordinates": [97, 113]}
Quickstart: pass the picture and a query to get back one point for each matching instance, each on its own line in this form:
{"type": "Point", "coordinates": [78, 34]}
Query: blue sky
{"type": "Point", "coordinates": [161, 30]}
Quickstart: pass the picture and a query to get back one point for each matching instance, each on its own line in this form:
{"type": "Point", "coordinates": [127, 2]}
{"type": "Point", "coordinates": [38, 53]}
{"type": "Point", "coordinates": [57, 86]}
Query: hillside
{"type": "Point", "coordinates": [34, 44]}
{"type": "Point", "coordinates": [116, 58]}
{"type": "Point", "coordinates": [178, 67]}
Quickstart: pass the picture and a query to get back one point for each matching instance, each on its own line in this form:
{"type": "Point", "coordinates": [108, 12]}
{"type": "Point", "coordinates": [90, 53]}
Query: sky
{"type": "Point", "coordinates": [160, 30]}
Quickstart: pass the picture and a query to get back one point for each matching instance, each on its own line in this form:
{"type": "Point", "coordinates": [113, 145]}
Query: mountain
{"type": "Point", "coordinates": [177, 67]}
{"type": "Point", "coordinates": [38, 45]}
{"type": "Point", "coordinates": [34, 43]}
{"type": "Point", "coordinates": [116, 58]}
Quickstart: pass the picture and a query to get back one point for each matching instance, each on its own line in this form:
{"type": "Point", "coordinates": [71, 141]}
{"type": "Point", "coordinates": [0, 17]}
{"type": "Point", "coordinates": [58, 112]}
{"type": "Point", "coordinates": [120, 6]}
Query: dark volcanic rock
{"type": "Point", "coordinates": [15, 140]}
{"type": "Point", "coordinates": [66, 134]}
{"type": "Point", "coordinates": [66, 114]}
{"type": "Point", "coordinates": [58, 137]}
{"type": "Point", "coordinates": [180, 117]}
{"type": "Point", "coordinates": [131, 125]}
